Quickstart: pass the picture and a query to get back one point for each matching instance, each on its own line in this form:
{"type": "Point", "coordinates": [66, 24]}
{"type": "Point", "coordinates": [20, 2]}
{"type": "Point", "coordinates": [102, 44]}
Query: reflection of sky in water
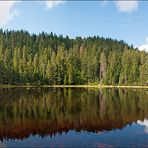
{"type": "Point", "coordinates": [144, 123]}
{"type": "Point", "coordinates": [2, 144]}
{"type": "Point", "coordinates": [132, 135]}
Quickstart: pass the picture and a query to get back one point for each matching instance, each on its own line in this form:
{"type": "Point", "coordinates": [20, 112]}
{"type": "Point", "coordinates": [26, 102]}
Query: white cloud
{"type": "Point", "coordinates": [145, 123]}
{"type": "Point", "coordinates": [53, 3]}
{"type": "Point", "coordinates": [144, 46]}
{"type": "Point", "coordinates": [7, 12]}
{"type": "Point", "coordinates": [127, 6]}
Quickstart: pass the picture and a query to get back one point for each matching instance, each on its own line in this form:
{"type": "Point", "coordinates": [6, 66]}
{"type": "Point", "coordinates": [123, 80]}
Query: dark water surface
{"type": "Point", "coordinates": [78, 117]}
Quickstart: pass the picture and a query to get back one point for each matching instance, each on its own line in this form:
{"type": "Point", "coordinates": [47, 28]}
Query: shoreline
{"type": "Point", "coordinates": [71, 86]}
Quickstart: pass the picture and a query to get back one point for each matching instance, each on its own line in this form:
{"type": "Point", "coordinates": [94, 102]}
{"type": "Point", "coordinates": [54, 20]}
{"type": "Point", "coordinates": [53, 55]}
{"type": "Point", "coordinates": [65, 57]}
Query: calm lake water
{"type": "Point", "coordinates": [78, 117]}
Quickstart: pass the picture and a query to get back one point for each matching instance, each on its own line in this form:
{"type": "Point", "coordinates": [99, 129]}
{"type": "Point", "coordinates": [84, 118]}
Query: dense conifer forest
{"type": "Point", "coordinates": [50, 59]}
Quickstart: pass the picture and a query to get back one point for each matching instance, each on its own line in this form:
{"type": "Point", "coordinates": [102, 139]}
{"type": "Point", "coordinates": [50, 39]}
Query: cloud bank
{"type": "Point", "coordinates": [7, 12]}
{"type": "Point", "coordinates": [144, 46]}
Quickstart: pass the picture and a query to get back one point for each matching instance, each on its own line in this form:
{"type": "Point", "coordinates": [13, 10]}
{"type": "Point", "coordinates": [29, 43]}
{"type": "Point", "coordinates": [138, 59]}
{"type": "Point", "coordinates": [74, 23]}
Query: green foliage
{"type": "Point", "coordinates": [52, 59]}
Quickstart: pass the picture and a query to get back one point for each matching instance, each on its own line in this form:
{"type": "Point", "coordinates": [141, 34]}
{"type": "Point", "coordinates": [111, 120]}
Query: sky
{"type": "Point", "coordinates": [121, 20]}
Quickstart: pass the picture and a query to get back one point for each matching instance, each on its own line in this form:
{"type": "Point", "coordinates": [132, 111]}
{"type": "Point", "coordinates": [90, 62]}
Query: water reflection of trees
{"type": "Point", "coordinates": [50, 111]}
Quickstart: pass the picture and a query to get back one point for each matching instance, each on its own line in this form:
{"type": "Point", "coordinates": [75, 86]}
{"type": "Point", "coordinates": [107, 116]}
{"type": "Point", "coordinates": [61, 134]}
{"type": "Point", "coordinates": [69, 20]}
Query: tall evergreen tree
{"type": "Point", "coordinates": [103, 68]}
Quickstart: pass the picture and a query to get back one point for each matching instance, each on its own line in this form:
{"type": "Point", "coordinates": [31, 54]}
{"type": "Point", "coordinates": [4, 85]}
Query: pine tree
{"type": "Point", "coordinates": [143, 68]}
{"type": "Point", "coordinates": [103, 68]}
{"type": "Point", "coordinates": [113, 68]}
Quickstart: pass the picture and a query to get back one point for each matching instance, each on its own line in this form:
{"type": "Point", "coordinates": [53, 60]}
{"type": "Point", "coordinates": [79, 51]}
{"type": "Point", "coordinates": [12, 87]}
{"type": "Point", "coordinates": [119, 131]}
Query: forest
{"type": "Point", "coordinates": [49, 59]}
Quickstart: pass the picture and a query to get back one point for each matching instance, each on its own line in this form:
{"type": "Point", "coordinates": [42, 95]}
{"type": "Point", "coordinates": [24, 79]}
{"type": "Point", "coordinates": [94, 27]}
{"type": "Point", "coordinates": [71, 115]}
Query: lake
{"type": "Point", "coordinates": [73, 117]}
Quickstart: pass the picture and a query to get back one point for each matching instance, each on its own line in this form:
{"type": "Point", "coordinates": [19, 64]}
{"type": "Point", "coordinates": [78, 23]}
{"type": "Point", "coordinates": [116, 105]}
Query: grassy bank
{"type": "Point", "coordinates": [70, 86]}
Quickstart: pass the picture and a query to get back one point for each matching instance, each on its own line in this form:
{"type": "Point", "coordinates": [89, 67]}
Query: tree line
{"type": "Point", "coordinates": [50, 59]}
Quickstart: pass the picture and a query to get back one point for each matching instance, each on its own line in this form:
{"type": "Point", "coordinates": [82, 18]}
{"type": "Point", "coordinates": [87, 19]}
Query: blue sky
{"type": "Point", "coordinates": [122, 20]}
